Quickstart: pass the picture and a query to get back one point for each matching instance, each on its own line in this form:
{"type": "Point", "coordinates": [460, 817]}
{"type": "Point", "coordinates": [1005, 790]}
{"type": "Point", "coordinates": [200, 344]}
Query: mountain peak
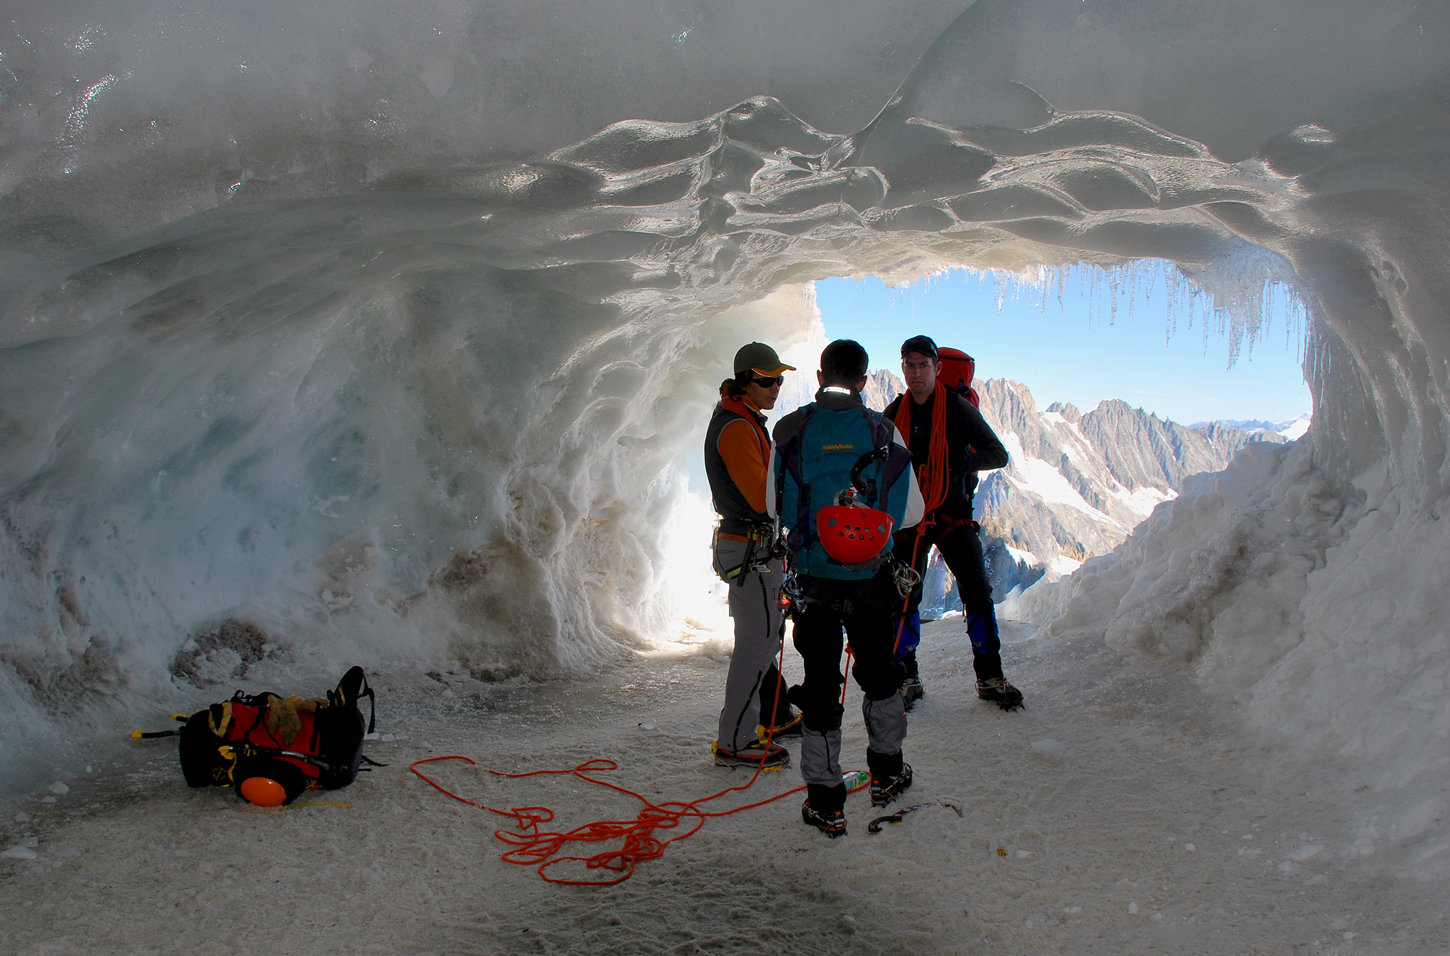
{"type": "Point", "coordinates": [1067, 410]}
{"type": "Point", "coordinates": [882, 386]}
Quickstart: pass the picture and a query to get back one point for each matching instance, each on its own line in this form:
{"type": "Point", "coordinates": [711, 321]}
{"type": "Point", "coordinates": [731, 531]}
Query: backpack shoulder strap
{"type": "Point", "coordinates": [881, 442]}
{"type": "Point", "coordinates": [790, 454]}
{"type": "Point", "coordinates": [892, 461]}
{"type": "Point", "coordinates": [352, 688]}
{"type": "Point", "coordinates": [790, 459]}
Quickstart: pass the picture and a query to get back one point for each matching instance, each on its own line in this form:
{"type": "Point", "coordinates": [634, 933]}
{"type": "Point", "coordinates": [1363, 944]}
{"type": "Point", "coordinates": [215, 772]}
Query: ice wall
{"type": "Point", "coordinates": [318, 338]}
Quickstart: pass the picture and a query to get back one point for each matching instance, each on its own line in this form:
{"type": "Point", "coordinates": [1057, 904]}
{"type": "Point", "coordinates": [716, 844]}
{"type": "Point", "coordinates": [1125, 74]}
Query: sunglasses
{"type": "Point", "coordinates": [770, 382]}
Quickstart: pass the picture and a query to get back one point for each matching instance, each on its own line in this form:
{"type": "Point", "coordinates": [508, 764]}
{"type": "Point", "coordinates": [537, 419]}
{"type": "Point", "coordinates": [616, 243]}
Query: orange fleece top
{"type": "Point", "coordinates": [745, 449]}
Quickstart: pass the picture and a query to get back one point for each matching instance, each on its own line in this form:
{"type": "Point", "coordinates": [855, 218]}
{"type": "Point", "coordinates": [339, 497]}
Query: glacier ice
{"type": "Point", "coordinates": [358, 329]}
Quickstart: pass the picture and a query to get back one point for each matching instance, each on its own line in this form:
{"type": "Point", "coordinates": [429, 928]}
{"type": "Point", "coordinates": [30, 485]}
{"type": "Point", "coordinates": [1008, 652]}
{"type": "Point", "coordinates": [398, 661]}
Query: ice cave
{"type": "Point", "coordinates": [370, 332]}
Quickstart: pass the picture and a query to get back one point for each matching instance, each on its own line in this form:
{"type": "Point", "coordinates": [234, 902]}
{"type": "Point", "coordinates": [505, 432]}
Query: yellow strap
{"type": "Point", "coordinates": [226, 722]}
{"type": "Point", "coordinates": [230, 757]}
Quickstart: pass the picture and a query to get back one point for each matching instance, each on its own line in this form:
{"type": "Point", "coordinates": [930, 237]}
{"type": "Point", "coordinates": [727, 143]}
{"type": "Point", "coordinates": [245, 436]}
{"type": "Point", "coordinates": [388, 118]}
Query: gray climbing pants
{"type": "Point", "coordinates": [755, 607]}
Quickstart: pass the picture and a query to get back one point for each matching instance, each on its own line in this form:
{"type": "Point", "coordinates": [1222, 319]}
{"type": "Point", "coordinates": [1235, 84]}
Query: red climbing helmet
{"type": "Point", "coordinates": [852, 534]}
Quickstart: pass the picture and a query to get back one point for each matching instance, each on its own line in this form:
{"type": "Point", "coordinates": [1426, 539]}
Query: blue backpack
{"type": "Point", "coordinates": [818, 462]}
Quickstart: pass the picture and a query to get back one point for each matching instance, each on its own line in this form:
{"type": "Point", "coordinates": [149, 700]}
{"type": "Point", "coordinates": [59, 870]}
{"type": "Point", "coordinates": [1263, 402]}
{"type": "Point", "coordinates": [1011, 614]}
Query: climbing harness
{"type": "Point", "coordinates": [763, 544]}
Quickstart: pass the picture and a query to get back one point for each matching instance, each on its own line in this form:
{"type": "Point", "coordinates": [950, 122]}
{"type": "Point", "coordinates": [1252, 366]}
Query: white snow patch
{"type": "Point", "coordinates": [1076, 447]}
{"type": "Point", "coordinates": [1311, 610]}
{"type": "Point", "coordinates": [655, 715]}
{"type": "Point", "coordinates": [1024, 557]}
{"type": "Point", "coordinates": [1143, 500]}
{"type": "Point", "coordinates": [1049, 747]}
{"type": "Point", "coordinates": [1296, 428]}
{"type": "Point", "coordinates": [701, 614]}
{"type": "Point", "coordinates": [1039, 478]}
{"type": "Point", "coordinates": [1062, 565]}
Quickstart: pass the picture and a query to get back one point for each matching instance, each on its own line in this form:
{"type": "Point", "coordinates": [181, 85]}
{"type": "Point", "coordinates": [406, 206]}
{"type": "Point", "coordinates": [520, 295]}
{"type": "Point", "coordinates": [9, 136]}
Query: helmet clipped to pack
{"type": "Point", "coordinates": [852, 533]}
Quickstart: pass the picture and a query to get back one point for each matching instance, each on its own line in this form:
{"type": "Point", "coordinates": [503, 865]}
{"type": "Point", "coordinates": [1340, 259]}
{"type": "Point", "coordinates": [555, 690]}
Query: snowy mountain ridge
{"type": "Point", "coordinates": [1076, 484]}
{"type": "Point", "coordinates": [1291, 429]}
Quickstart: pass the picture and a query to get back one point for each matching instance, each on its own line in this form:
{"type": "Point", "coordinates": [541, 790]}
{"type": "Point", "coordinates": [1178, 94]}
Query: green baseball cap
{"type": "Point", "coordinates": [759, 357]}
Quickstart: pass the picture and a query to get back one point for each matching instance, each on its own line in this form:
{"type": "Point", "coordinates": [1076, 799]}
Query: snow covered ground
{"type": "Point", "coordinates": [1159, 823]}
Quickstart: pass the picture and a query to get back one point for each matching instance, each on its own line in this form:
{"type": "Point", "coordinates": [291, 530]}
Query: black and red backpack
{"type": "Point", "coordinates": [957, 370]}
{"type": "Point", "coordinates": [309, 744]}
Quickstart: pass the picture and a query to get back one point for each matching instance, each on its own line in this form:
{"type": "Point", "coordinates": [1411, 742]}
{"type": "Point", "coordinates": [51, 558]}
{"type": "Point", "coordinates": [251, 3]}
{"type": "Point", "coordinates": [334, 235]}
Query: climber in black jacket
{"type": "Point", "coordinates": [950, 442]}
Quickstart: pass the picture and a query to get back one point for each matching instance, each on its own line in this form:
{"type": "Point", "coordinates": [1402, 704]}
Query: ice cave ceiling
{"type": "Point", "coordinates": [296, 294]}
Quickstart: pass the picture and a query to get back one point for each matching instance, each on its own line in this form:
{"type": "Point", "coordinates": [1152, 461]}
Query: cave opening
{"type": "Point", "coordinates": [1143, 336]}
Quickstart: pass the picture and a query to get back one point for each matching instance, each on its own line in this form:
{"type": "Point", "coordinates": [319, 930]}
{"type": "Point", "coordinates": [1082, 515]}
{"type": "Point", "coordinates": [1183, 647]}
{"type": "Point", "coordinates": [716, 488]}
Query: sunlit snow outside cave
{"type": "Point", "coordinates": [317, 347]}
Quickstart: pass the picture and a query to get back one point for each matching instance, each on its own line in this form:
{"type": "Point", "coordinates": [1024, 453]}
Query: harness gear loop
{"type": "Point", "coordinates": [906, 579]}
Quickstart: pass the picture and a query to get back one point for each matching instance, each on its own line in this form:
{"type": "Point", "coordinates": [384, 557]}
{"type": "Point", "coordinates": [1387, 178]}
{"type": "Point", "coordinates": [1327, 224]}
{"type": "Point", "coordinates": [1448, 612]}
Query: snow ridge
{"type": "Point", "coordinates": [1291, 429]}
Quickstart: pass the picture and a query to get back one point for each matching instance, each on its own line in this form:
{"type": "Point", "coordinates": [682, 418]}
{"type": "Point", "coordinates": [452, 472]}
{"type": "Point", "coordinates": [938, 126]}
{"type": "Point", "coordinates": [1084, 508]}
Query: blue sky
{"type": "Point", "coordinates": [1078, 352]}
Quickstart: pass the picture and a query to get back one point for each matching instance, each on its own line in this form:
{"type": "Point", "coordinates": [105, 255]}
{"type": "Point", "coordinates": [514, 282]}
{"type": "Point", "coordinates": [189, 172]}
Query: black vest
{"type": "Point", "coordinates": [737, 517]}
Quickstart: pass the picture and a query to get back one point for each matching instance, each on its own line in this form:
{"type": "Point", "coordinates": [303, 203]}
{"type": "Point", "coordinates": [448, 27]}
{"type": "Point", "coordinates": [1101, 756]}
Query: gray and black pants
{"type": "Point", "coordinates": [864, 610]}
{"type": "Point", "coordinates": [751, 686]}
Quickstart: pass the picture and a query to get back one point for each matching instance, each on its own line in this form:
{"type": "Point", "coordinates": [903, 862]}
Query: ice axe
{"type": "Point", "coordinates": [895, 818]}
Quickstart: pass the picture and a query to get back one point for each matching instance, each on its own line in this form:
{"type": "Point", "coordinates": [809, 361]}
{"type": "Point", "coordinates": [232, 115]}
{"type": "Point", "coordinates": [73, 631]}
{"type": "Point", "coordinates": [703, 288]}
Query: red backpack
{"type": "Point", "coordinates": [957, 369]}
{"type": "Point", "coordinates": [230, 744]}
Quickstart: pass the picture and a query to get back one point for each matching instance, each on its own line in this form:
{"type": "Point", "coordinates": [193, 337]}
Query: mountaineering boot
{"type": "Point", "coordinates": [912, 691]}
{"type": "Point", "coordinates": [824, 808]}
{"type": "Point", "coordinates": [999, 692]}
{"type": "Point", "coordinates": [793, 726]}
{"type": "Point", "coordinates": [887, 788]}
{"type": "Point", "coordinates": [830, 822]}
{"type": "Point", "coordinates": [752, 754]}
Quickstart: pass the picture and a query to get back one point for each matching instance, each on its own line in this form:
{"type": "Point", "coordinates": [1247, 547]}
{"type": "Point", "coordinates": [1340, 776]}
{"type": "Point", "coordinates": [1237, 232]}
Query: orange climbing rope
{"type": "Point", "coordinates": [533, 845]}
{"type": "Point", "coordinates": [931, 476]}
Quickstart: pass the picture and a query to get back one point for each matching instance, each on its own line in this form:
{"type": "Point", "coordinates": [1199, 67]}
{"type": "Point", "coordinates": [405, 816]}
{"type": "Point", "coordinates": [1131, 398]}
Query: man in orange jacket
{"type": "Point", "coordinates": [737, 454]}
